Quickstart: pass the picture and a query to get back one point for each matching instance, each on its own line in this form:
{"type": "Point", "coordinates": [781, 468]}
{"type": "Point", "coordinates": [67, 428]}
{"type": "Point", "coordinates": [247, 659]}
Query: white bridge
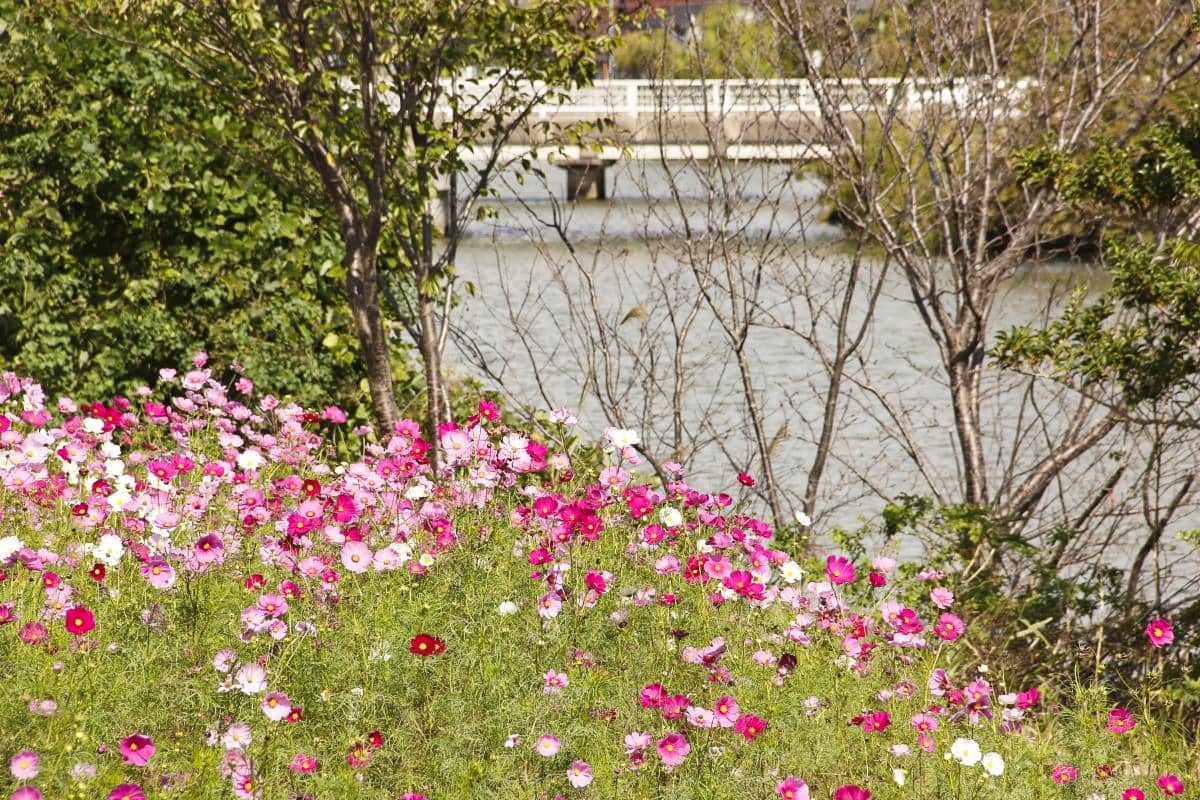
{"type": "Point", "coordinates": [737, 120]}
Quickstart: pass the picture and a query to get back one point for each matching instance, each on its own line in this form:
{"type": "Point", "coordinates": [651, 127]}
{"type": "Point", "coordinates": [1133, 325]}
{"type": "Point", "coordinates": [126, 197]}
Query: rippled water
{"type": "Point", "coordinates": [524, 278]}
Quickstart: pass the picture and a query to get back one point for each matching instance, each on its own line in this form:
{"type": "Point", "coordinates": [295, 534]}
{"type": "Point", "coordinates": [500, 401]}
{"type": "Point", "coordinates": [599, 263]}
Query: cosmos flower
{"type": "Point", "coordinates": [137, 749]}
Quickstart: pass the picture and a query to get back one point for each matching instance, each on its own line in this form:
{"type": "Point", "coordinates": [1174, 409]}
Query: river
{"type": "Point", "coordinates": [526, 277]}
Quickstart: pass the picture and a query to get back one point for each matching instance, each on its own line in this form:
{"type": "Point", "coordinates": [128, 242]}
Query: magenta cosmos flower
{"type": "Point", "coordinates": [750, 726]}
{"type": "Point", "coordinates": [579, 774]}
{"type": "Point", "coordinates": [1063, 774]}
{"type": "Point", "coordinates": [79, 621]}
{"type": "Point", "coordinates": [792, 788]}
{"type": "Point", "coordinates": [24, 765]}
{"type": "Point", "coordinates": [127, 791]}
{"type": "Point", "coordinates": [839, 569]}
{"type": "Point", "coordinates": [137, 749]}
{"type": "Point", "coordinates": [1170, 785]}
{"type": "Point", "coordinates": [949, 627]}
{"type": "Point", "coordinates": [26, 793]}
{"type": "Point", "coordinates": [851, 792]}
{"type": "Point", "coordinates": [1160, 633]}
{"type": "Point", "coordinates": [1120, 720]}
{"type": "Point", "coordinates": [673, 749]}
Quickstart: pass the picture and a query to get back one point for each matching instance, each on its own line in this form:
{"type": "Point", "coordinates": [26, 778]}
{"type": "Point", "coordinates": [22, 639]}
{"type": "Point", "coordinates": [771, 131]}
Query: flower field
{"type": "Point", "coordinates": [200, 598]}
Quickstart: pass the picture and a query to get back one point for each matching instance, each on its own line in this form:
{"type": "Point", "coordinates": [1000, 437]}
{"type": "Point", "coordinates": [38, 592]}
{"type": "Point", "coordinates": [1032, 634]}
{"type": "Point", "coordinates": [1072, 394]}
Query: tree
{"type": "Point", "coordinates": [378, 99]}
{"type": "Point", "coordinates": [958, 88]}
{"type": "Point", "coordinates": [130, 238]}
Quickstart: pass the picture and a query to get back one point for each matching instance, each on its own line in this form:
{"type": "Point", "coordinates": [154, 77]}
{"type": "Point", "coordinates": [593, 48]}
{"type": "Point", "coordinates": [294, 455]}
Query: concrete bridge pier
{"type": "Point", "coordinates": [586, 179]}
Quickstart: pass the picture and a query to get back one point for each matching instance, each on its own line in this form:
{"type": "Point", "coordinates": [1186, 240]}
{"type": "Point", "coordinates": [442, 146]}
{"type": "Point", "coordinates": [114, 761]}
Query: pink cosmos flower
{"type": "Point", "coordinates": [24, 765]}
{"type": "Point", "coordinates": [1063, 774]}
{"type": "Point", "coordinates": [547, 745]}
{"type": "Point", "coordinates": [949, 627]}
{"type": "Point", "coordinates": [137, 749]}
{"type": "Point", "coordinates": [673, 749]}
{"type": "Point", "coordinates": [1160, 633]}
{"type": "Point", "coordinates": [33, 633]}
{"type": "Point", "coordinates": [792, 788]}
{"type": "Point", "coordinates": [1133, 793]}
{"type": "Point", "coordinates": [839, 569]}
{"type": "Point", "coordinates": [127, 791]}
{"type": "Point", "coordinates": [303, 764]}
{"type": "Point", "coordinates": [652, 695]}
{"type": "Point", "coordinates": [208, 548]}
{"type": "Point", "coordinates": [276, 705]}
{"type": "Point", "coordinates": [579, 774]}
{"type": "Point", "coordinates": [942, 597]}
{"type": "Point", "coordinates": [726, 711]}
{"type": "Point", "coordinates": [1120, 721]}
{"type": "Point", "coordinates": [851, 792]}
{"type": "Point", "coordinates": [356, 557]}
{"type": "Point", "coordinates": [555, 681]}
{"type": "Point", "coordinates": [549, 605]}
{"type": "Point", "coordinates": [158, 573]}
{"type": "Point", "coordinates": [26, 793]}
{"type": "Point", "coordinates": [925, 723]}
{"type": "Point", "coordinates": [1170, 785]}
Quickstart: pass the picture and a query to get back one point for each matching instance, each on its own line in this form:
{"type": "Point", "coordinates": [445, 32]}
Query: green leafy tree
{"type": "Point", "coordinates": [381, 100]}
{"type": "Point", "coordinates": [130, 237]}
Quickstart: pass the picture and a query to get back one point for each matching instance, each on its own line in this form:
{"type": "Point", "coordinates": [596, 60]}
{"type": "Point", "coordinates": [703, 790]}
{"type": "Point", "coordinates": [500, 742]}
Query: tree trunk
{"type": "Point", "coordinates": [362, 291]}
{"type": "Point", "coordinates": [964, 371]}
{"type": "Point", "coordinates": [431, 353]}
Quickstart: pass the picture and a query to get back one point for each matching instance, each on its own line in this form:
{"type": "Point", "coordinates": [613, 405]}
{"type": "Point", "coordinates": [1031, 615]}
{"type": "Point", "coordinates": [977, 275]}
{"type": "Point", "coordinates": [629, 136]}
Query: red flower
{"type": "Point", "coordinates": [98, 572]}
{"type": "Point", "coordinates": [375, 739]}
{"type": "Point", "coordinates": [745, 479]}
{"type": "Point", "coordinates": [79, 621]}
{"type": "Point", "coordinates": [425, 645]}
{"type": "Point", "coordinates": [295, 715]}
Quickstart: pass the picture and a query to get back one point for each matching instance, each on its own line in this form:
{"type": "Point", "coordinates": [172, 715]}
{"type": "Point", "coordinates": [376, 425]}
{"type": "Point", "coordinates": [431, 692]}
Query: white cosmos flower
{"type": "Point", "coordinates": [899, 775]}
{"type": "Point", "coordinates": [93, 425]}
{"type": "Point", "coordinates": [671, 517]}
{"type": "Point", "coordinates": [621, 438]}
{"type": "Point", "coordinates": [507, 608]}
{"type": "Point", "coordinates": [804, 520]}
{"type": "Point", "coordinates": [966, 752]}
{"type": "Point", "coordinates": [109, 549]}
{"type": "Point", "coordinates": [790, 572]}
{"type": "Point", "coordinates": [251, 678]}
{"type": "Point", "coordinates": [8, 546]}
{"type": "Point", "coordinates": [993, 764]}
{"type": "Point", "coordinates": [250, 460]}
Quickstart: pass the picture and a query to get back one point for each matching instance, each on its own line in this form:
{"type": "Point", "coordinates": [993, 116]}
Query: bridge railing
{"type": "Point", "coordinates": [633, 98]}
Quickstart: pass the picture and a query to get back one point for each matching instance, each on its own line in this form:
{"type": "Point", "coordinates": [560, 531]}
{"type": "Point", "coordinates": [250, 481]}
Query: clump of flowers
{"type": "Point", "coordinates": [208, 592]}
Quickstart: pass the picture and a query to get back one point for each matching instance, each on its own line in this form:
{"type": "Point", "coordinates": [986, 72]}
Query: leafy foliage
{"type": "Point", "coordinates": [1136, 343]}
{"type": "Point", "coordinates": [130, 235]}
